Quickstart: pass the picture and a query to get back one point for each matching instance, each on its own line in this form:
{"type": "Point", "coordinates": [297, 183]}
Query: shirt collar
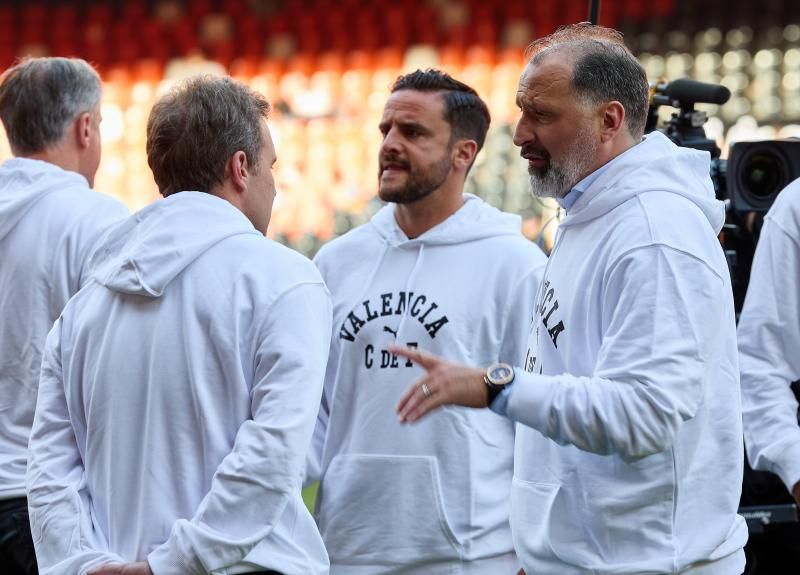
{"type": "Point", "coordinates": [577, 190]}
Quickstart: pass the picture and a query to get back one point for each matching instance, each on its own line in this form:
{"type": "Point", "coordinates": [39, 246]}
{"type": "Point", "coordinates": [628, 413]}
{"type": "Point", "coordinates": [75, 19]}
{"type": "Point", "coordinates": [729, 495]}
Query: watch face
{"type": "Point", "coordinates": [500, 374]}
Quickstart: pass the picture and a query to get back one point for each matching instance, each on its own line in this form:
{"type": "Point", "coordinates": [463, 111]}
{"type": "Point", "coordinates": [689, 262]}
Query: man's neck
{"type": "Point", "coordinates": [58, 156]}
{"type": "Point", "coordinates": [418, 217]}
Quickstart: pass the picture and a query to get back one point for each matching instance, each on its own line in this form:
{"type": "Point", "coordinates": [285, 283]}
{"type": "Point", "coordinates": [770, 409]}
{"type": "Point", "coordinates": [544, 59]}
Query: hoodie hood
{"type": "Point", "coordinates": [654, 165]}
{"type": "Point", "coordinates": [474, 220]}
{"type": "Point", "coordinates": [23, 182]}
{"type": "Point", "coordinates": [144, 253]}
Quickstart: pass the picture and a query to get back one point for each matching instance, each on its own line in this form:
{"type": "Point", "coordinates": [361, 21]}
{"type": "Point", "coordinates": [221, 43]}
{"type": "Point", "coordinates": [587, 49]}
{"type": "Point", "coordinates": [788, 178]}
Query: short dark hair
{"type": "Point", "coordinates": [604, 70]}
{"type": "Point", "coordinates": [40, 97]}
{"type": "Point", "coordinates": [464, 110]}
{"type": "Point", "coordinates": [197, 126]}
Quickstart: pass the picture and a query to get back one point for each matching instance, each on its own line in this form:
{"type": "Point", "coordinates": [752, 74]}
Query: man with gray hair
{"type": "Point", "coordinates": [49, 221]}
{"type": "Point", "coordinates": [180, 387]}
{"type": "Point", "coordinates": [629, 438]}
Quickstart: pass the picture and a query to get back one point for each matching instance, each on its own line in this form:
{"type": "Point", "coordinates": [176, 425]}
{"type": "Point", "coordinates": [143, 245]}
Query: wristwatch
{"type": "Point", "coordinates": [496, 378]}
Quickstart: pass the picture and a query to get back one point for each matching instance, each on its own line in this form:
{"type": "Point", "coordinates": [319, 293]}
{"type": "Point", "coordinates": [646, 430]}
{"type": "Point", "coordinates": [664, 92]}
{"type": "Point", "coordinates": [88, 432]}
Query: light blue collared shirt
{"type": "Point", "coordinates": [577, 190]}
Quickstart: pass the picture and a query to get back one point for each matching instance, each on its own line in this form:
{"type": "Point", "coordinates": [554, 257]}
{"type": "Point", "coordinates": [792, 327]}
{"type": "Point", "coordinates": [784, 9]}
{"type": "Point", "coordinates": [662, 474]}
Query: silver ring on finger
{"type": "Point", "coordinates": [426, 391]}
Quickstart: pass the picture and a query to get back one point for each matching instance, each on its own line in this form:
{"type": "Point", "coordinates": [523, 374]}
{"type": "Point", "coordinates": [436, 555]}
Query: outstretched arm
{"type": "Point", "coordinates": [660, 329]}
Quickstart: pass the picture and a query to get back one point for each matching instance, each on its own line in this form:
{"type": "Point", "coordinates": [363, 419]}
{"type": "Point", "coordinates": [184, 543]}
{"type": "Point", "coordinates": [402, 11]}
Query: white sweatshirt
{"type": "Point", "coordinates": [769, 342]}
{"type": "Point", "coordinates": [629, 459]}
{"type": "Point", "coordinates": [430, 498]}
{"type": "Point", "coordinates": [49, 222]}
{"type": "Point", "coordinates": [177, 401]}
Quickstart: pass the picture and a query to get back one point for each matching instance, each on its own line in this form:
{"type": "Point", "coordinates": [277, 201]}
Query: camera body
{"type": "Point", "coordinates": [758, 171]}
{"type": "Point", "coordinates": [754, 173]}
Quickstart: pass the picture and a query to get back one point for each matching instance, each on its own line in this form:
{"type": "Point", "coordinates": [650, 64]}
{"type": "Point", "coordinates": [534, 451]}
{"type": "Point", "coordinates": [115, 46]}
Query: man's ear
{"type": "Point", "coordinates": [612, 120]}
{"type": "Point", "coordinates": [83, 130]}
{"type": "Point", "coordinates": [464, 152]}
{"type": "Point", "coordinates": [238, 170]}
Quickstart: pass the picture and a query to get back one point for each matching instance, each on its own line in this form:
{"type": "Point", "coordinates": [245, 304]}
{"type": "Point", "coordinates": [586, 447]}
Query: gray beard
{"type": "Point", "coordinates": [554, 183]}
{"type": "Point", "coordinates": [556, 180]}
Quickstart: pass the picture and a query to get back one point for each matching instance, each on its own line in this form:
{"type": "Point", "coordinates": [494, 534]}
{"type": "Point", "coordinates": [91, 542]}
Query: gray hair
{"type": "Point", "coordinates": [40, 97]}
{"type": "Point", "coordinates": [197, 126]}
{"type": "Point", "coordinates": [604, 70]}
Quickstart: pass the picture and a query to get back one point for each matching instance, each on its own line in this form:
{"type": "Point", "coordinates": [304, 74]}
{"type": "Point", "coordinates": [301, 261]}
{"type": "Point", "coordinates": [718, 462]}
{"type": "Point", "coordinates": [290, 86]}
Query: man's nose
{"type": "Point", "coordinates": [391, 141]}
{"type": "Point", "coordinates": [523, 134]}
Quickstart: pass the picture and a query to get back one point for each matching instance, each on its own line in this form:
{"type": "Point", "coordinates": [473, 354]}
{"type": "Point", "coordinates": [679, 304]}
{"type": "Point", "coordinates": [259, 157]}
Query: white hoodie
{"type": "Point", "coordinates": [177, 401]}
{"type": "Point", "coordinates": [629, 459]}
{"type": "Point", "coordinates": [49, 222]}
{"type": "Point", "coordinates": [430, 498]}
{"type": "Point", "coordinates": [769, 342]}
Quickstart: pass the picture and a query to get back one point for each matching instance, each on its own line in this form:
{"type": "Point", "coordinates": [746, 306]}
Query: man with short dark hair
{"type": "Point", "coordinates": [439, 269]}
{"type": "Point", "coordinates": [179, 388]}
{"type": "Point", "coordinates": [629, 443]}
{"type": "Point", "coordinates": [50, 220]}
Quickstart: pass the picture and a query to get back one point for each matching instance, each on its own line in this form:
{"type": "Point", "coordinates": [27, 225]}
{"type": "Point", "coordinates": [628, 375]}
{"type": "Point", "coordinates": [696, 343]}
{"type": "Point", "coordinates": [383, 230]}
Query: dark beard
{"type": "Point", "coordinates": [418, 184]}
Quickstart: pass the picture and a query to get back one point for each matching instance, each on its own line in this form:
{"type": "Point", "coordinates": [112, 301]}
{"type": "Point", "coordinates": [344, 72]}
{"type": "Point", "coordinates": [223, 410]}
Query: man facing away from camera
{"type": "Point", "coordinates": [629, 449]}
{"type": "Point", "coordinates": [438, 269]}
{"type": "Point", "coordinates": [180, 387]}
{"type": "Point", "coordinates": [49, 221]}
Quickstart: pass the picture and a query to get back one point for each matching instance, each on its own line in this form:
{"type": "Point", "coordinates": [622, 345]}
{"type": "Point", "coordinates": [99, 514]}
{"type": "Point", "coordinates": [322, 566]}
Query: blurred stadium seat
{"type": "Point", "coordinates": [327, 68]}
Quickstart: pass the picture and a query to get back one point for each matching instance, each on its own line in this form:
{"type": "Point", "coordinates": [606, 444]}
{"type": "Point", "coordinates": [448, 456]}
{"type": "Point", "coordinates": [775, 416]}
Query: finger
{"type": "Point", "coordinates": [421, 358]}
{"type": "Point", "coordinates": [411, 397]}
{"type": "Point", "coordinates": [421, 409]}
{"type": "Point", "coordinates": [108, 569]}
{"type": "Point", "coordinates": [415, 404]}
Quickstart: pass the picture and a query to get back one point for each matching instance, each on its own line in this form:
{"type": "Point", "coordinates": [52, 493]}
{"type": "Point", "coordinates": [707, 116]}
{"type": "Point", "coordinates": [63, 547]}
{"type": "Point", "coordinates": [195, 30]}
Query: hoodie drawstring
{"type": "Point", "coordinates": [409, 282]}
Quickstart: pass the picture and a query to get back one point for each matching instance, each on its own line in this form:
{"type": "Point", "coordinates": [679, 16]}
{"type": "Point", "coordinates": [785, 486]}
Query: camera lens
{"type": "Point", "coordinates": [763, 174]}
{"type": "Point", "coordinates": [758, 171]}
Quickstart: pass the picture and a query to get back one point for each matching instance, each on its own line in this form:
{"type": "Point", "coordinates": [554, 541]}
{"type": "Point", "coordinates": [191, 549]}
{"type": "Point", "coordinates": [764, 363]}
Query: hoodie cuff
{"type": "Point", "coordinates": [529, 402]}
{"type": "Point", "coordinates": [788, 466]}
{"type": "Point", "coordinates": [162, 563]}
{"type": "Point", "coordinates": [167, 560]}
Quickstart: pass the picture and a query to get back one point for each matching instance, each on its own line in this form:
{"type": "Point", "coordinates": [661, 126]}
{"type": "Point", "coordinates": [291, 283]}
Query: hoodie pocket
{"type": "Point", "coordinates": [378, 509]}
{"type": "Point", "coordinates": [531, 510]}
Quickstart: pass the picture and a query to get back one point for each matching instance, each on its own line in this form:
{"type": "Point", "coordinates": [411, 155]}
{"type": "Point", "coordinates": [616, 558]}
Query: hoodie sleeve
{"type": "Point", "coordinates": [660, 316]}
{"type": "Point", "coordinates": [313, 471]}
{"type": "Point", "coordinates": [65, 538]}
{"type": "Point", "coordinates": [769, 353]}
{"type": "Point", "coordinates": [254, 483]}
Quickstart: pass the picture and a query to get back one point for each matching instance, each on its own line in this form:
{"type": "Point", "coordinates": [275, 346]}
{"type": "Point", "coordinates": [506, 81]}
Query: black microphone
{"type": "Point", "coordinates": [688, 91]}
